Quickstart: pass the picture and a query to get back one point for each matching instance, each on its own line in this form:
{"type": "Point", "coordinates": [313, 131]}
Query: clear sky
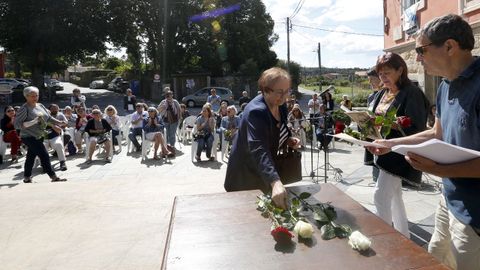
{"type": "Point", "coordinates": [338, 49]}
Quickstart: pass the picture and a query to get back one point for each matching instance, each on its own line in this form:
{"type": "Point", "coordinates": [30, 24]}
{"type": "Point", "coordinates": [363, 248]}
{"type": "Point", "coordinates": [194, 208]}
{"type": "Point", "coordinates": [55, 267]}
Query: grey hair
{"type": "Point", "coordinates": [96, 111]}
{"type": "Point", "coordinates": [152, 109]}
{"type": "Point", "coordinates": [67, 108]}
{"type": "Point", "coordinates": [30, 89]}
{"type": "Point", "coordinates": [446, 27]}
{"type": "Point", "coordinates": [232, 107]}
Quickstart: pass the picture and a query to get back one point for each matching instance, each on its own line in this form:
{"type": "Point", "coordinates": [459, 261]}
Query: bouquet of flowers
{"type": "Point", "coordinates": [293, 219]}
{"type": "Point", "coordinates": [380, 126]}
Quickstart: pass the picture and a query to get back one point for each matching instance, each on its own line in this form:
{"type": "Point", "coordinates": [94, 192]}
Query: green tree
{"type": "Point", "coordinates": [47, 35]}
{"type": "Point", "coordinates": [294, 69]}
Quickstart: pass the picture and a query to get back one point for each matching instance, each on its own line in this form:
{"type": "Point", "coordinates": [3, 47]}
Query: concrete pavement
{"type": "Point", "coordinates": [115, 216]}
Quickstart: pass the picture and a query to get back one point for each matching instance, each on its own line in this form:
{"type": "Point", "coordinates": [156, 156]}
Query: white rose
{"type": "Point", "coordinates": [303, 229]}
{"type": "Point", "coordinates": [359, 241]}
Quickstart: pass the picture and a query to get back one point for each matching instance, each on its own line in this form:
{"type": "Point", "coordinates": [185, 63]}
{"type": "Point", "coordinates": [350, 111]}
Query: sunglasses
{"type": "Point", "coordinates": [109, 109]}
{"type": "Point", "coordinates": [421, 49]}
{"type": "Point", "coordinates": [10, 110]}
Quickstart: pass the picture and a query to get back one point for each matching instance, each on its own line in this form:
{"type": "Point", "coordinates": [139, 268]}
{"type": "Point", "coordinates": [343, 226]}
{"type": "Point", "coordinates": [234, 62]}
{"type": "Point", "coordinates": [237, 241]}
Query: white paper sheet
{"type": "Point", "coordinates": [438, 151]}
{"type": "Point", "coordinates": [350, 139]}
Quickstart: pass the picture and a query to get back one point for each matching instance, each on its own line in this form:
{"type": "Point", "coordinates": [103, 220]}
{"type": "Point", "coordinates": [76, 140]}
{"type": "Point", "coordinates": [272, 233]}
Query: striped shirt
{"type": "Point", "coordinates": [283, 135]}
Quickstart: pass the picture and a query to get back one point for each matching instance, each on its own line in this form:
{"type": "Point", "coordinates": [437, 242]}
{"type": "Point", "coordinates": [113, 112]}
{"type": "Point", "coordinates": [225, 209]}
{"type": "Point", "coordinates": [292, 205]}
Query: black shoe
{"type": "Point", "coordinates": [63, 167]}
{"type": "Point", "coordinates": [58, 179]}
{"type": "Point", "coordinates": [27, 179]}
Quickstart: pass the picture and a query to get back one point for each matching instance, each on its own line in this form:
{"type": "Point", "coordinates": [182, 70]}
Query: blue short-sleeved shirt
{"type": "Point", "coordinates": [458, 108]}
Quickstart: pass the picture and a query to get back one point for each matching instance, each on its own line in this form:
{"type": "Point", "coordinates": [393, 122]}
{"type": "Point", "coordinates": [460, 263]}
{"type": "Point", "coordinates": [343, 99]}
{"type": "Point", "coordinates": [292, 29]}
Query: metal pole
{"type": "Point", "coordinates": [353, 81]}
{"type": "Point", "coordinates": [319, 68]}
{"type": "Point", "coordinates": [288, 43]}
{"type": "Point", "coordinates": [165, 37]}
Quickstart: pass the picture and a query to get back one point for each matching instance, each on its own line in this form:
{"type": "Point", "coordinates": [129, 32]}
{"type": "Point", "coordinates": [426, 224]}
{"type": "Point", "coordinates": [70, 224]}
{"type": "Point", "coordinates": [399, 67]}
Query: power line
{"type": "Point", "coordinates": [304, 36]}
{"type": "Point", "coordinates": [297, 9]}
{"type": "Point", "coordinates": [337, 31]}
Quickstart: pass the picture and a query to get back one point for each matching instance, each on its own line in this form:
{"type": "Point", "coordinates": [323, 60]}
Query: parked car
{"type": "Point", "coordinates": [97, 84]}
{"type": "Point", "coordinates": [54, 84]}
{"type": "Point", "coordinates": [26, 82]}
{"type": "Point", "coordinates": [200, 97]}
{"type": "Point", "coordinates": [13, 83]}
{"type": "Point", "coordinates": [118, 85]}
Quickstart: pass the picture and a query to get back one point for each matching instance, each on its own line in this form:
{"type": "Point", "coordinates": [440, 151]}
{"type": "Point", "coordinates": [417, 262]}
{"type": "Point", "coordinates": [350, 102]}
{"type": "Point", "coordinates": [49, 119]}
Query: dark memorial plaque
{"type": "Point", "coordinates": [225, 231]}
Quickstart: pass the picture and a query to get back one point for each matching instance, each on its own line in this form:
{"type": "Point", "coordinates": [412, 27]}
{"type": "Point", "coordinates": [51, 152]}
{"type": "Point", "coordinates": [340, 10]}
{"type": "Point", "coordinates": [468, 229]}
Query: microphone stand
{"type": "Point", "coordinates": [326, 165]}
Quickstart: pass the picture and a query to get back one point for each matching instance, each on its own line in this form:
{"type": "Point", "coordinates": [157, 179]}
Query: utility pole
{"type": "Point", "coordinates": [288, 43]}
{"type": "Point", "coordinates": [165, 38]}
{"type": "Point", "coordinates": [319, 68]}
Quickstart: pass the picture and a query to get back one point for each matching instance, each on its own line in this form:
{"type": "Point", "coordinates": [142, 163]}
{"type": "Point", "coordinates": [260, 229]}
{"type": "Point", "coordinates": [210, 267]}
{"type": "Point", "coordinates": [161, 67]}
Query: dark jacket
{"type": "Point", "coordinates": [133, 101]}
{"type": "Point", "coordinates": [91, 126]}
{"type": "Point", "coordinates": [410, 101]}
{"type": "Point", "coordinates": [251, 164]}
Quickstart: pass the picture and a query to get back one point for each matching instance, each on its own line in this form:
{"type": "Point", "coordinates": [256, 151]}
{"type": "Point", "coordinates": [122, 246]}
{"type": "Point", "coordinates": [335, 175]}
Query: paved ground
{"type": "Point", "coordinates": [115, 216]}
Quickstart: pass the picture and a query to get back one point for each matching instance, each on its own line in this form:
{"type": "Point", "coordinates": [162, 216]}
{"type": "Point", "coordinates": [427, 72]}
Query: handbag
{"type": "Point", "coordinates": [289, 166]}
{"type": "Point", "coordinates": [101, 138]}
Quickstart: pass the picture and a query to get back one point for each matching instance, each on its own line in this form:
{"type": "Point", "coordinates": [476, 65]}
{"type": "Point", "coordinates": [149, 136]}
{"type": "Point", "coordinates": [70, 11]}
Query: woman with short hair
{"type": "Point", "coordinates": [110, 114]}
{"type": "Point", "coordinates": [97, 128]}
{"type": "Point", "coordinates": [153, 128]}
{"type": "Point", "coordinates": [263, 132]}
{"type": "Point", "coordinates": [32, 119]}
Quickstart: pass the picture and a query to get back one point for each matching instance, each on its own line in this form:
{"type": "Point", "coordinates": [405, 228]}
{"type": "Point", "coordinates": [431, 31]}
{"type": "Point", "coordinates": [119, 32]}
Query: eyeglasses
{"type": "Point", "coordinates": [421, 49]}
{"type": "Point", "coordinates": [280, 92]}
{"type": "Point", "coordinates": [110, 109]}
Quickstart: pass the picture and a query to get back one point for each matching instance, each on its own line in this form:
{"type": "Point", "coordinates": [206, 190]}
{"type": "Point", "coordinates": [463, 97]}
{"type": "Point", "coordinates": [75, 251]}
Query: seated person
{"type": "Point", "coordinates": [137, 125]}
{"type": "Point", "coordinates": [346, 102]}
{"type": "Point", "coordinates": [230, 123]}
{"type": "Point", "coordinates": [10, 135]}
{"type": "Point", "coordinates": [324, 126]}
{"type": "Point", "coordinates": [81, 123]}
{"type": "Point", "coordinates": [113, 119]}
{"type": "Point", "coordinates": [297, 124]}
{"type": "Point", "coordinates": [205, 132]}
{"type": "Point", "coordinates": [54, 135]}
{"type": "Point", "coordinates": [153, 127]}
{"type": "Point", "coordinates": [97, 128]}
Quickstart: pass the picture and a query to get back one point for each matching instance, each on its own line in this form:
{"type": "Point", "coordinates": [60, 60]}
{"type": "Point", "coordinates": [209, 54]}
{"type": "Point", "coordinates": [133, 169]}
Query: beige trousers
{"type": "Point", "coordinates": [454, 243]}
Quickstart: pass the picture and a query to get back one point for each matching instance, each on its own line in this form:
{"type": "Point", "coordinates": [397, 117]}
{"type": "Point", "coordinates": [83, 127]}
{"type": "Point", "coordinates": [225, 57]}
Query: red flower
{"type": "Point", "coordinates": [404, 121]}
{"type": "Point", "coordinates": [282, 235]}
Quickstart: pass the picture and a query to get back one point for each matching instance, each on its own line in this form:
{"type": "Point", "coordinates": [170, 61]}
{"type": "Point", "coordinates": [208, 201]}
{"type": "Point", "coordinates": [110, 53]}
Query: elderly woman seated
{"type": "Point", "coordinates": [230, 123]}
{"type": "Point", "coordinates": [97, 128]}
{"type": "Point", "coordinates": [114, 120]}
{"type": "Point", "coordinates": [153, 128]}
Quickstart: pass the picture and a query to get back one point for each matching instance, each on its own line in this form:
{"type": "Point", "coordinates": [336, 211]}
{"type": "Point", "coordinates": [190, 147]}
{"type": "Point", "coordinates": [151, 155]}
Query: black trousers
{"type": "Point", "coordinates": [36, 148]}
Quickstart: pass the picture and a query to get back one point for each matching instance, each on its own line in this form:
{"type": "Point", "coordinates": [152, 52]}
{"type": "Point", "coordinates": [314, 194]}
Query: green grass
{"type": "Point", "coordinates": [359, 94]}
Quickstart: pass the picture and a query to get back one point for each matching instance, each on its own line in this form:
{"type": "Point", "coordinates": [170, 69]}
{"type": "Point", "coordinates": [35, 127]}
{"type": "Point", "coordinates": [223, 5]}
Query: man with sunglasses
{"type": "Point", "coordinates": [444, 48]}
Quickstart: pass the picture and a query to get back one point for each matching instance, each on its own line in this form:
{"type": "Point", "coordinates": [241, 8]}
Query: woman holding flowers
{"type": "Point", "coordinates": [263, 131]}
{"type": "Point", "coordinates": [32, 119]}
{"type": "Point", "coordinates": [399, 97]}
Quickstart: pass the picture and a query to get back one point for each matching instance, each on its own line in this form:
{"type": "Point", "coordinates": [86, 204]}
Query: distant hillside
{"type": "Point", "coordinates": [308, 71]}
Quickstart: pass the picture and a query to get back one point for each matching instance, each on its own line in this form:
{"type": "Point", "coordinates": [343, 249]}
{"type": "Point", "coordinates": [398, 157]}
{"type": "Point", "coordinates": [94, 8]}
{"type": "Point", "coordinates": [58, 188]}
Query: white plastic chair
{"type": "Point", "coordinates": [187, 129]}
{"type": "Point", "coordinates": [86, 138]}
{"type": "Point", "coordinates": [225, 144]}
{"type": "Point", "coordinates": [216, 139]}
{"type": "Point", "coordinates": [3, 145]}
{"type": "Point", "coordinates": [146, 145]}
